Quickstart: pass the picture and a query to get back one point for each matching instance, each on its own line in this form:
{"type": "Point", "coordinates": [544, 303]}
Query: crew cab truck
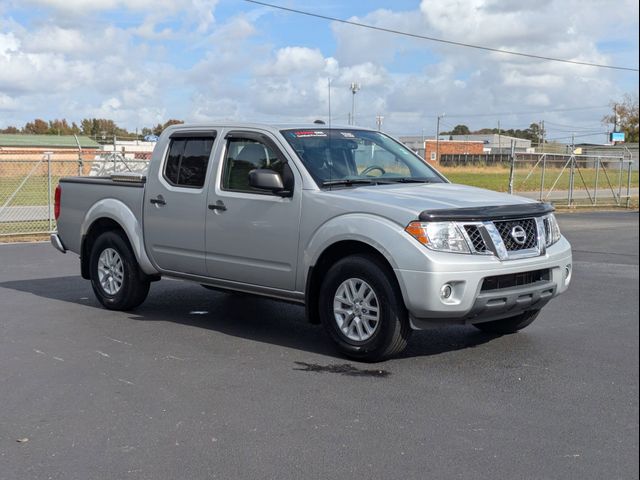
{"type": "Point", "coordinates": [346, 221]}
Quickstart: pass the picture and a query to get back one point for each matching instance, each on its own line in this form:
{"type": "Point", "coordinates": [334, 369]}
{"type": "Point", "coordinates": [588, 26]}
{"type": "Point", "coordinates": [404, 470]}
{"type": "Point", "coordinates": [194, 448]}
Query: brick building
{"type": "Point", "coordinates": [451, 147]}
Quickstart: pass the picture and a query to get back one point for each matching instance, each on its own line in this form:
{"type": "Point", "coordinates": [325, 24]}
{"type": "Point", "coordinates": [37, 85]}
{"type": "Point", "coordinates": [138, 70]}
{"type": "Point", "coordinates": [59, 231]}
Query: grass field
{"type": "Point", "coordinates": [24, 228]}
{"type": "Point", "coordinates": [497, 178]}
{"type": "Point", "coordinates": [34, 191]}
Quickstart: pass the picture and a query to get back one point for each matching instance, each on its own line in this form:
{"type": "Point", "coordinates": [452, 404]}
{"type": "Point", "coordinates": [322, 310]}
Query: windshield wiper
{"type": "Point", "coordinates": [409, 180]}
{"type": "Point", "coordinates": [350, 181]}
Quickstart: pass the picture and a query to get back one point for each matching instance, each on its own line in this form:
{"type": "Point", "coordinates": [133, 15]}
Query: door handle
{"type": "Point", "coordinates": [221, 207]}
{"type": "Point", "coordinates": [159, 200]}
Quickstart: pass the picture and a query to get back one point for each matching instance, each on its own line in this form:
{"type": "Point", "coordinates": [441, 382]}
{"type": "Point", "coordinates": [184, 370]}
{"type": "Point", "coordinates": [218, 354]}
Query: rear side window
{"type": "Point", "coordinates": [187, 161]}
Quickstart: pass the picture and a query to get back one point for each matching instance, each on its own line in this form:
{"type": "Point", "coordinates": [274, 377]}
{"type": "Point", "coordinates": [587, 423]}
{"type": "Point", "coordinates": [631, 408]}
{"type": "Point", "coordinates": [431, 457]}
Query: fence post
{"type": "Point", "coordinates": [620, 181]}
{"type": "Point", "coordinates": [80, 161]}
{"type": "Point", "coordinates": [595, 187]}
{"type": "Point", "coordinates": [571, 179]}
{"type": "Point", "coordinates": [512, 171]}
{"type": "Point", "coordinates": [49, 191]}
{"type": "Point", "coordinates": [544, 170]}
{"type": "Point", "coordinates": [629, 183]}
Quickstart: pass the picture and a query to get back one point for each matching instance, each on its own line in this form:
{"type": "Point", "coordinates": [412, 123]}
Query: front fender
{"type": "Point", "coordinates": [387, 237]}
{"type": "Point", "coordinates": [123, 216]}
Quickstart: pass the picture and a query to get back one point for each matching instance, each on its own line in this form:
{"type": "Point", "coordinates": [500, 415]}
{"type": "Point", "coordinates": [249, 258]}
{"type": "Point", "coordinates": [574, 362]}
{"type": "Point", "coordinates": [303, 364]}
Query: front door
{"type": "Point", "coordinates": [252, 235]}
{"type": "Point", "coordinates": [175, 205]}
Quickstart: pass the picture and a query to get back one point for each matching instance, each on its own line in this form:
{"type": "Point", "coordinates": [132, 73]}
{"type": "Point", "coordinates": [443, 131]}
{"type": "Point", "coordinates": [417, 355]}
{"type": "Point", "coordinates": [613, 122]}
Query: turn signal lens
{"type": "Point", "coordinates": [416, 230]}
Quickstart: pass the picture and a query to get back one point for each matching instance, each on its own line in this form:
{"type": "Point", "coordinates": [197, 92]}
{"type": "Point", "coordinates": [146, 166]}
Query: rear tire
{"type": "Point", "coordinates": [510, 325]}
{"type": "Point", "coordinates": [116, 278]}
{"type": "Point", "coordinates": [362, 310]}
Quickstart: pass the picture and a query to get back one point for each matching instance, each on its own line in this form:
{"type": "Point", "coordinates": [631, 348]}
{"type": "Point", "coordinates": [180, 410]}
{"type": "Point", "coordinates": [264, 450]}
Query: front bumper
{"type": "Point", "coordinates": [468, 303]}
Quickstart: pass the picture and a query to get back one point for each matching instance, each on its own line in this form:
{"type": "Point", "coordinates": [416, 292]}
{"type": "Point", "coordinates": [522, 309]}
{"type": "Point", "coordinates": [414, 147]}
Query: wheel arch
{"type": "Point", "coordinates": [112, 214]}
{"type": "Point", "coordinates": [332, 254]}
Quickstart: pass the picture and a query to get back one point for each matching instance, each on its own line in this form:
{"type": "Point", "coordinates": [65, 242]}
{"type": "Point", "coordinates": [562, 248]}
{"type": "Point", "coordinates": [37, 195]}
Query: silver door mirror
{"type": "Point", "coordinates": [266, 179]}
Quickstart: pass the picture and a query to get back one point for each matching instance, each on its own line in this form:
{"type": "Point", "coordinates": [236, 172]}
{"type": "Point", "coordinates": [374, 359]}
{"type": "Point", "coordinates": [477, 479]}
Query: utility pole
{"type": "Point", "coordinates": [499, 138]}
{"type": "Point", "coordinates": [355, 87]}
{"type": "Point", "coordinates": [329, 98]}
{"type": "Point", "coordinates": [573, 143]}
{"type": "Point", "coordinates": [379, 119]}
{"type": "Point", "coordinates": [438, 139]}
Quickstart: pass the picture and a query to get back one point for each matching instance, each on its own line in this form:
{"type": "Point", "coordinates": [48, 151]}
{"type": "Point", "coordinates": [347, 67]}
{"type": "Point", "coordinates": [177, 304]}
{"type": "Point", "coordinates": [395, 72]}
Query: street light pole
{"type": "Point", "coordinates": [354, 89]}
{"type": "Point", "coordinates": [438, 139]}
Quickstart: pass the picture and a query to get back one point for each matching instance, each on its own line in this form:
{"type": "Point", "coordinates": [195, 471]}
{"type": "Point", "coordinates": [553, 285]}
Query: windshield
{"type": "Point", "coordinates": [358, 157]}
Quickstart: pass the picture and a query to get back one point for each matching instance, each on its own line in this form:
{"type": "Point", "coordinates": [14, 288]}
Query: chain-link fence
{"type": "Point", "coordinates": [28, 180]}
{"type": "Point", "coordinates": [574, 180]}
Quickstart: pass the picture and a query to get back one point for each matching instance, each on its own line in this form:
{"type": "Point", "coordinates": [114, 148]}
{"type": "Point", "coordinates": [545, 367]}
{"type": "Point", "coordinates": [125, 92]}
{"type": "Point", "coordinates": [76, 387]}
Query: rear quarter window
{"type": "Point", "coordinates": [187, 161]}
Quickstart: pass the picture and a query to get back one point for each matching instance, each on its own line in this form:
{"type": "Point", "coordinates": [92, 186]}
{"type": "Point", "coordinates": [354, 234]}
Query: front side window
{"type": "Point", "coordinates": [244, 155]}
{"type": "Point", "coordinates": [187, 161]}
{"type": "Point", "coordinates": [357, 157]}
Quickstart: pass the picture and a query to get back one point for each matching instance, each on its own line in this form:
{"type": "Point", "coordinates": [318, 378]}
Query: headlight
{"type": "Point", "coordinates": [441, 236]}
{"type": "Point", "coordinates": [551, 229]}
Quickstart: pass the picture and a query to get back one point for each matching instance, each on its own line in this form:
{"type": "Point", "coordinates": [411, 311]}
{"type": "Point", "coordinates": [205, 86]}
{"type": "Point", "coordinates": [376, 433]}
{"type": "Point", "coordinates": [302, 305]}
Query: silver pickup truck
{"type": "Point", "coordinates": [346, 221]}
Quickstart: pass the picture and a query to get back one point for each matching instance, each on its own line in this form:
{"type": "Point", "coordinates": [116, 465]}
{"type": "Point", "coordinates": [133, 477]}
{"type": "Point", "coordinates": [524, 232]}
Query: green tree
{"type": "Point", "coordinates": [59, 127]}
{"type": "Point", "coordinates": [101, 127]}
{"type": "Point", "coordinates": [458, 130]}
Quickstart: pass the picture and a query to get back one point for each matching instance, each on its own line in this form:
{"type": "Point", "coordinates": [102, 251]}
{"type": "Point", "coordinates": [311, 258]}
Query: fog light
{"type": "Point", "coordinates": [567, 274]}
{"type": "Point", "coordinates": [446, 291]}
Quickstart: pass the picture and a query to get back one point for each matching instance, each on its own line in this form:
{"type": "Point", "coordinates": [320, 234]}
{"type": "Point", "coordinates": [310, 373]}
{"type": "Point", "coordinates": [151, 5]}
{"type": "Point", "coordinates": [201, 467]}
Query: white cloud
{"type": "Point", "coordinates": [176, 59]}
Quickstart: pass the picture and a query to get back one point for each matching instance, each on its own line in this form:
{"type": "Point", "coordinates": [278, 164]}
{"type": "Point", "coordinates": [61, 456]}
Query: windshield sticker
{"type": "Point", "coordinates": [347, 134]}
{"type": "Point", "coordinates": [310, 133]}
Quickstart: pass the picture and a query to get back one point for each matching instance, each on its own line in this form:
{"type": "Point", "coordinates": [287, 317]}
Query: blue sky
{"type": "Point", "coordinates": [141, 62]}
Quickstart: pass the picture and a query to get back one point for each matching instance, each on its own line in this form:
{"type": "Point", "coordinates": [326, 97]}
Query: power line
{"type": "Point", "coordinates": [440, 40]}
{"type": "Point", "coordinates": [592, 134]}
{"type": "Point", "coordinates": [539, 112]}
{"type": "Point", "coordinates": [568, 128]}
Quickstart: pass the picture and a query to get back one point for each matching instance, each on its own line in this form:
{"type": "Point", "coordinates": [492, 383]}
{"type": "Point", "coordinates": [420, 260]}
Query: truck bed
{"type": "Point", "coordinates": [81, 194]}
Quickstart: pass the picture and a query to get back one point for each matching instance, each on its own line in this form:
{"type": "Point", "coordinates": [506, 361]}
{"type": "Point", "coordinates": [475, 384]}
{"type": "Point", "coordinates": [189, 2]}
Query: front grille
{"type": "Point", "coordinates": [528, 225]}
{"type": "Point", "coordinates": [473, 232]}
{"type": "Point", "coordinates": [515, 280]}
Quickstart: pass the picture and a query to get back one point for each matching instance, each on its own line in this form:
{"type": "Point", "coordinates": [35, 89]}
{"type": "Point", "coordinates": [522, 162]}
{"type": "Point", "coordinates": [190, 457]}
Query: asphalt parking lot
{"type": "Point", "coordinates": [199, 384]}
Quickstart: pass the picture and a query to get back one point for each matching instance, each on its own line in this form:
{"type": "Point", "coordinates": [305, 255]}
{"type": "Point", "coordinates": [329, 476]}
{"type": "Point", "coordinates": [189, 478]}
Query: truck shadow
{"type": "Point", "coordinates": [242, 316]}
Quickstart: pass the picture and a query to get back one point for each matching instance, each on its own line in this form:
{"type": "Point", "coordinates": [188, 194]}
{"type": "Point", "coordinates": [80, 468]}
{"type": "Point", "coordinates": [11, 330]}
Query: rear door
{"type": "Point", "coordinates": [175, 206]}
{"type": "Point", "coordinates": [252, 235]}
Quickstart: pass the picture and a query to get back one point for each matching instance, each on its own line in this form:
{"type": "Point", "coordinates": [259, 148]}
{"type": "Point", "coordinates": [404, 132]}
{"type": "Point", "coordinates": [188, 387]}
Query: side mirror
{"type": "Point", "coordinates": [266, 179]}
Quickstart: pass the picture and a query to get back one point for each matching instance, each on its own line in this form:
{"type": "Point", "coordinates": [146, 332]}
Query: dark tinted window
{"type": "Point", "coordinates": [187, 161]}
{"type": "Point", "coordinates": [244, 155]}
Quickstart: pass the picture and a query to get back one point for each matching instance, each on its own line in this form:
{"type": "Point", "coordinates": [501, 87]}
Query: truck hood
{"type": "Point", "coordinates": [405, 202]}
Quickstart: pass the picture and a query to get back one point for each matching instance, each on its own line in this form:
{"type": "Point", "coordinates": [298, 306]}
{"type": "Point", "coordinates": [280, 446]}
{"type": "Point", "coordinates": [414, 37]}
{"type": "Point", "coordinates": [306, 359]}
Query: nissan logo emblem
{"type": "Point", "coordinates": [519, 235]}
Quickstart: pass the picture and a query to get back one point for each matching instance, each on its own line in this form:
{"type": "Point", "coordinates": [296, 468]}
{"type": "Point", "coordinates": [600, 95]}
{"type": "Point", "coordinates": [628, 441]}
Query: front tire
{"type": "Point", "coordinates": [116, 278]}
{"type": "Point", "coordinates": [510, 325]}
{"type": "Point", "coordinates": [362, 309]}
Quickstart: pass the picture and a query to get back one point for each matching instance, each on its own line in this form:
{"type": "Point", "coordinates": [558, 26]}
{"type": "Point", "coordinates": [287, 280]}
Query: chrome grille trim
{"type": "Point", "coordinates": [488, 238]}
{"type": "Point", "coordinates": [529, 226]}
